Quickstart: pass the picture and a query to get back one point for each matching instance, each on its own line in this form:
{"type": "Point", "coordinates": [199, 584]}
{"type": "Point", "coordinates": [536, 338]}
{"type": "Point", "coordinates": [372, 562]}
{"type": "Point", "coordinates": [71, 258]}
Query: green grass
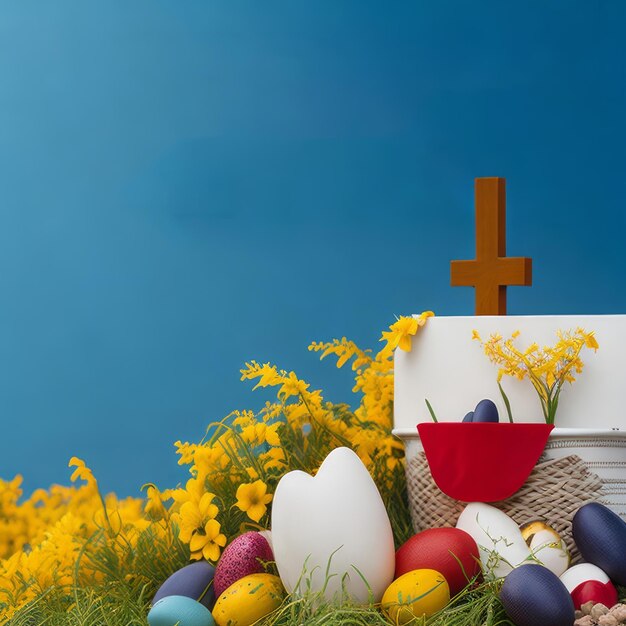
{"type": "Point", "coordinates": [127, 604]}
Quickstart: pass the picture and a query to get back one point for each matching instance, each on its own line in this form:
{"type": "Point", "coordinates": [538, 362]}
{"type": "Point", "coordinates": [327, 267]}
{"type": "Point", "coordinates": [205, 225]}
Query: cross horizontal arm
{"type": "Point", "coordinates": [516, 271]}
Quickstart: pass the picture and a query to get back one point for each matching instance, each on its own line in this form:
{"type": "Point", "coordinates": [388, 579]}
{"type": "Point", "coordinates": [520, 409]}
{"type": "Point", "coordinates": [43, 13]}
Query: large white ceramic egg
{"type": "Point", "coordinates": [332, 530]}
{"type": "Point", "coordinates": [500, 542]}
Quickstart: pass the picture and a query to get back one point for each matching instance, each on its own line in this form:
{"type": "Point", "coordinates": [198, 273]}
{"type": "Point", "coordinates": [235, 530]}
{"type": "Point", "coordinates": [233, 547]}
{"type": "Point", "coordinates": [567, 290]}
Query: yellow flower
{"type": "Point", "coordinates": [207, 544]}
{"type": "Point", "coordinates": [400, 332]}
{"type": "Point", "coordinates": [344, 350]}
{"type": "Point", "coordinates": [81, 471]}
{"type": "Point", "coordinates": [292, 386]}
{"type": "Point", "coordinates": [154, 502]}
{"type": "Point", "coordinates": [252, 499]}
{"type": "Point", "coordinates": [547, 368]}
{"type": "Point", "coordinates": [271, 435]}
{"type": "Point", "coordinates": [199, 528]}
{"type": "Point", "coordinates": [185, 451]}
{"type": "Point", "coordinates": [194, 514]}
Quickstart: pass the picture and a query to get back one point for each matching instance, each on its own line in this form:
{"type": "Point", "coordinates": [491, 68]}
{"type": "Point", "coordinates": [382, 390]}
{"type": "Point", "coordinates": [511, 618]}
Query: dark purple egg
{"type": "Point", "coordinates": [469, 417]}
{"type": "Point", "coordinates": [486, 411]}
{"type": "Point", "coordinates": [243, 556]}
{"type": "Point", "coordinates": [600, 535]}
{"type": "Point", "coordinates": [194, 581]}
{"type": "Point", "coordinates": [533, 596]}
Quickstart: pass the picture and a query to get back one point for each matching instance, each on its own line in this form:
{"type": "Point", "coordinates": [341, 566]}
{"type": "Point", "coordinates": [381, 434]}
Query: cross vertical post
{"type": "Point", "coordinates": [491, 271]}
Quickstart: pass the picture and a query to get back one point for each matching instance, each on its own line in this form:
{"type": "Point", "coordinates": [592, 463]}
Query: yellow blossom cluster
{"type": "Point", "coordinates": [65, 538]}
{"type": "Point", "coordinates": [547, 368]}
{"type": "Point", "coordinates": [45, 536]}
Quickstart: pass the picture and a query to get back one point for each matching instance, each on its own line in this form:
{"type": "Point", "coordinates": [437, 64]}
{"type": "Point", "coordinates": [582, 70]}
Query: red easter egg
{"type": "Point", "coordinates": [587, 582]}
{"type": "Point", "coordinates": [450, 551]}
{"type": "Point", "coordinates": [595, 591]}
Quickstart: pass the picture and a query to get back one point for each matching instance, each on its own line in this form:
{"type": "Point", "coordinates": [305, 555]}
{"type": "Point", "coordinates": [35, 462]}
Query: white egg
{"type": "Point", "coordinates": [548, 548]}
{"type": "Point", "coordinates": [334, 522]}
{"type": "Point", "coordinates": [500, 541]}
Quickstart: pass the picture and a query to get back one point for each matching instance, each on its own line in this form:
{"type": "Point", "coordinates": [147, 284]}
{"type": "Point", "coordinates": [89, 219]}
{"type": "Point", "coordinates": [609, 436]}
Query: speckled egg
{"type": "Point", "coordinates": [533, 596]}
{"type": "Point", "coordinates": [194, 581]}
{"type": "Point", "coordinates": [600, 535]}
{"type": "Point", "coordinates": [486, 411]}
{"type": "Point", "coordinates": [248, 600]}
{"type": "Point", "coordinates": [179, 611]}
{"type": "Point", "coordinates": [243, 556]}
{"type": "Point", "coordinates": [418, 593]}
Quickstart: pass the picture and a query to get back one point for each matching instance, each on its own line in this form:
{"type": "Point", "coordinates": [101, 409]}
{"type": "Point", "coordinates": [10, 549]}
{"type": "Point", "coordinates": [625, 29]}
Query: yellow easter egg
{"type": "Point", "coordinates": [421, 592]}
{"type": "Point", "coordinates": [248, 600]}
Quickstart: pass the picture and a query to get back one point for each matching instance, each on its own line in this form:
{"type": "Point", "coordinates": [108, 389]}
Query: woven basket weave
{"type": "Point", "coordinates": [554, 491]}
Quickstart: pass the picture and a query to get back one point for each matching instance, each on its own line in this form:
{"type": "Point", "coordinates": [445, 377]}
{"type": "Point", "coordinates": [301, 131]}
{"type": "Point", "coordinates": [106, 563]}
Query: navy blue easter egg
{"type": "Point", "coordinates": [469, 417]}
{"type": "Point", "coordinates": [486, 411]}
{"type": "Point", "coordinates": [194, 581]}
{"type": "Point", "coordinates": [533, 596]}
{"type": "Point", "coordinates": [600, 535]}
{"type": "Point", "coordinates": [179, 611]}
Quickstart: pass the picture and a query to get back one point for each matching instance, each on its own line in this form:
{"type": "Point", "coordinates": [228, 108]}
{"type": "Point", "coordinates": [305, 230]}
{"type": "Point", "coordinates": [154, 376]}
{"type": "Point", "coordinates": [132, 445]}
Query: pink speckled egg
{"type": "Point", "coordinates": [243, 556]}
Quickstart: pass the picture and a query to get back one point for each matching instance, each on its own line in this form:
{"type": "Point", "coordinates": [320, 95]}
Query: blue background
{"type": "Point", "coordinates": [185, 186]}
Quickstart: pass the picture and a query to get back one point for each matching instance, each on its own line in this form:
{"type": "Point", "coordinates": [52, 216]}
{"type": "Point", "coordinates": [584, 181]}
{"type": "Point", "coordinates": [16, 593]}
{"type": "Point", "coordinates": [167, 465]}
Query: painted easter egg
{"type": "Point", "coordinates": [418, 593]}
{"type": "Point", "coordinates": [179, 610]}
{"type": "Point", "coordinates": [533, 596]}
{"type": "Point", "coordinates": [248, 600]}
{"type": "Point", "coordinates": [587, 582]}
{"type": "Point", "coordinates": [334, 528]}
{"type": "Point", "coordinates": [600, 535]}
{"type": "Point", "coordinates": [486, 411]}
{"type": "Point", "coordinates": [245, 555]}
{"type": "Point", "coordinates": [499, 539]}
{"type": "Point", "coordinates": [469, 417]}
{"type": "Point", "coordinates": [530, 529]}
{"type": "Point", "coordinates": [450, 551]}
{"type": "Point", "coordinates": [194, 581]}
{"type": "Point", "coordinates": [547, 547]}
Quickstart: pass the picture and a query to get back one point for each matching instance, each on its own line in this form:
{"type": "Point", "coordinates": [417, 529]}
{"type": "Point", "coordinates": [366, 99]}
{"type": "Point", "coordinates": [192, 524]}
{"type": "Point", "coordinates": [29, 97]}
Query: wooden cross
{"type": "Point", "coordinates": [491, 271]}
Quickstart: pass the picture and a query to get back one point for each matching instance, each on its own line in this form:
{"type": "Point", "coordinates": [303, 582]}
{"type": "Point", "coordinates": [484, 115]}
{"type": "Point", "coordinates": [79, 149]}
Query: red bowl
{"type": "Point", "coordinates": [482, 462]}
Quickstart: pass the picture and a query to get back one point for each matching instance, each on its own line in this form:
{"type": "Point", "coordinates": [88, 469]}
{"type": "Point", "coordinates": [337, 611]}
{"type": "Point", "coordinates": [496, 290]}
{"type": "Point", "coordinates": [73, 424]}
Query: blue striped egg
{"type": "Point", "coordinates": [194, 581]}
{"type": "Point", "coordinates": [600, 535]}
{"type": "Point", "coordinates": [533, 596]}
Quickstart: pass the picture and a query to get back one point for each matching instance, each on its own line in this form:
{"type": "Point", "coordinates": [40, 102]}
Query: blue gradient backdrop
{"type": "Point", "coordinates": [189, 185]}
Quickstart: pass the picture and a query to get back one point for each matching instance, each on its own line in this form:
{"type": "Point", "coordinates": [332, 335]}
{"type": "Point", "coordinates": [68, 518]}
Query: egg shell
{"type": "Point", "coordinates": [179, 610]}
{"type": "Point", "coordinates": [469, 417]}
{"type": "Point", "coordinates": [533, 596]}
{"type": "Point", "coordinates": [486, 411]}
{"type": "Point", "coordinates": [587, 582]}
{"type": "Point", "coordinates": [194, 581]}
{"type": "Point", "coordinates": [450, 551]}
{"type": "Point", "coordinates": [243, 556]}
{"type": "Point", "coordinates": [418, 593]}
{"type": "Point", "coordinates": [600, 535]}
{"type": "Point", "coordinates": [548, 548]}
{"type": "Point", "coordinates": [248, 600]}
